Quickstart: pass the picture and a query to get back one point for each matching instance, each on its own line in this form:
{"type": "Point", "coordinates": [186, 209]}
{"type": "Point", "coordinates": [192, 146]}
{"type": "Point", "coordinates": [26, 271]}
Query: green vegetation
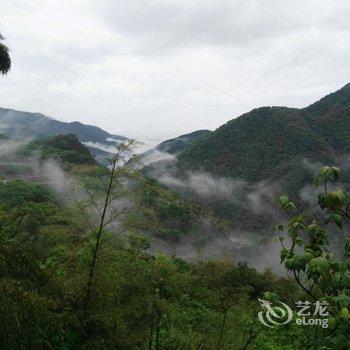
{"type": "Point", "coordinates": [5, 60]}
{"type": "Point", "coordinates": [136, 300]}
{"type": "Point", "coordinates": [163, 212]}
{"type": "Point", "coordinates": [323, 275]}
{"type": "Point", "coordinates": [178, 144]}
{"type": "Point", "coordinates": [271, 142]}
{"type": "Point", "coordinates": [81, 276]}
{"type": "Point", "coordinates": [66, 148]}
{"type": "Point", "coordinates": [20, 193]}
{"type": "Point", "coordinates": [25, 125]}
{"type": "Point", "coordinates": [277, 136]}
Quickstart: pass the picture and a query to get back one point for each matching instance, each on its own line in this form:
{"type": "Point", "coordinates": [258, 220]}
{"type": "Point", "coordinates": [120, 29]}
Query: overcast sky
{"type": "Point", "coordinates": [154, 69]}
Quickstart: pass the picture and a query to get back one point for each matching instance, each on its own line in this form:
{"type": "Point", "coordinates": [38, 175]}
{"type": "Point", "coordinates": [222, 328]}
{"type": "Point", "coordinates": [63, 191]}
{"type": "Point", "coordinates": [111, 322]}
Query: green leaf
{"type": "Point", "coordinates": [286, 203]}
{"type": "Point", "coordinates": [284, 199]}
{"type": "Point", "coordinates": [344, 312]}
{"type": "Point", "coordinates": [280, 227]}
{"type": "Point", "coordinates": [329, 173]}
{"type": "Point", "coordinates": [319, 265]}
{"type": "Point", "coordinates": [324, 170]}
{"type": "Point", "coordinates": [333, 200]}
{"type": "Point", "coordinates": [342, 300]}
{"type": "Point", "coordinates": [332, 322]}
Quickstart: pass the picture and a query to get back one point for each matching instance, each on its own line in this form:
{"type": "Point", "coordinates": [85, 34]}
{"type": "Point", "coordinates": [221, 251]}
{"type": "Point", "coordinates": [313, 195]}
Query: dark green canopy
{"type": "Point", "coordinates": [5, 60]}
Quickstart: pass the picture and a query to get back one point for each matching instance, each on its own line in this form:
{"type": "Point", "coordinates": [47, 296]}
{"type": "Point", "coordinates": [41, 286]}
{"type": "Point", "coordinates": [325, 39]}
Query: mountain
{"type": "Point", "coordinates": [65, 148]}
{"type": "Point", "coordinates": [169, 148]}
{"type": "Point", "coordinates": [25, 125]}
{"type": "Point", "coordinates": [178, 144]}
{"type": "Point", "coordinates": [271, 142]}
{"type": "Point", "coordinates": [335, 100]}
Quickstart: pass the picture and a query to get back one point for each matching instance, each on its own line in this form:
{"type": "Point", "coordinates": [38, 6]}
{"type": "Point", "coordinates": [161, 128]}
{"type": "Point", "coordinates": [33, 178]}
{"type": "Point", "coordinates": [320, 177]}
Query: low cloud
{"type": "Point", "coordinates": [47, 172]}
{"type": "Point", "coordinates": [205, 186]}
{"type": "Point", "coordinates": [312, 167]}
{"type": "Point", "coordinates": [257, 197]}
{"type": "Point", "coordinates": [155, 156]}
{"type": "Point", "coordinates": [101, 146]}
{"type": "Point", "coordinates": [8, 148]}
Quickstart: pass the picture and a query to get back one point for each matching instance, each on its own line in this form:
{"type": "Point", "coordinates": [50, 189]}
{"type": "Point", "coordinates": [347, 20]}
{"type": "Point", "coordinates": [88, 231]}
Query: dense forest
{"type": "Point", "coordinates": [78, 268]}
{"type": "Point", "coordinates": [79, 274]}
{"type": "Point", "coordinates": [270, 142]}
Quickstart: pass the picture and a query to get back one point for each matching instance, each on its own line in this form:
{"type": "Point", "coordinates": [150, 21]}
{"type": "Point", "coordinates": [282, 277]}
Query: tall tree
{"type": "Point", "coordinates": [108, 207]}
{"type": "Point", "coordinates": [5, 60]}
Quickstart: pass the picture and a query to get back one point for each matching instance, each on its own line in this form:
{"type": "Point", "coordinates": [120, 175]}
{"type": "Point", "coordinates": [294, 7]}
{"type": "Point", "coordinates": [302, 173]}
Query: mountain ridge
{"type": "Point", "coordinates": [177, 144]}
{"type": "Point", "coordinates": [261, 143]}
{"type": "Point", "coordinates": [48, 126]}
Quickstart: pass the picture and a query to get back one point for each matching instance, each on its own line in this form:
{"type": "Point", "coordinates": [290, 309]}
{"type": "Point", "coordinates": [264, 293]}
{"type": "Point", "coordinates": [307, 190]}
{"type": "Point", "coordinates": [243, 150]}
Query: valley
{"type": "Point", "coordinates": [174, 175]}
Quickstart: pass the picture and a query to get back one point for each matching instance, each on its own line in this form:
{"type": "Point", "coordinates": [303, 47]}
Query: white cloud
{"type": "Point", "coordinates": [157, 69]}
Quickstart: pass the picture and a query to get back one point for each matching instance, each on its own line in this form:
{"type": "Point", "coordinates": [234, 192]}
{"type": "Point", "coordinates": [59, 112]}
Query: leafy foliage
{"type": "Point", "coordinates": [322, 274]}
{"type": "Point", "coordinates": [20, 193]}
{"type": "Point", "coordinates": [163, 212]}
{"type": "Point", "coordinates": [136, 299]}
{"type": "Point", "coordinates": [5, 60]}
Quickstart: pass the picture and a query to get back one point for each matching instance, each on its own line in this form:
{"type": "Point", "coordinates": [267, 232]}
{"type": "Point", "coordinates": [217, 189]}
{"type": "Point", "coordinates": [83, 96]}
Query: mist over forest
{"type": "Point", "coordinates": [229, 235]}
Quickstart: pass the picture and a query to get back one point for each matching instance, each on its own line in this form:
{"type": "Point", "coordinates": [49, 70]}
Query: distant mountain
{"type": "Point", "coordinates": [24, 125]}
{"type": "Point", "coordinates": [271, 142]}
{"type": "Point", "coordinates": [178, 144]}
{"type": "Point", "coordinates": [169, 148]}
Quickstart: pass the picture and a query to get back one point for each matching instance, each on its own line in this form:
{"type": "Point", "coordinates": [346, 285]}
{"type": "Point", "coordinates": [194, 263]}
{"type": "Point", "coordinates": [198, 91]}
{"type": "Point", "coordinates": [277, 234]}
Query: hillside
{"type": "Point", "coordinates": [333, 101]}
{"type": "Point", "coordinates": [271, 142]}
{"type": "Point", "coordinates": [65, 148]}
{"type": "Point", "coordinates": [24, 125]}
{"type": "Point", "coordinates": [178, 144]}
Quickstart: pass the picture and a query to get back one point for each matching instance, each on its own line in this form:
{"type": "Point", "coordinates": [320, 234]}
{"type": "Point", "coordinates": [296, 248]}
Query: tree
{"type": "Point", "coordinates": [106, 207]}
{"type": "Point", "coordinates": [5, 60]}
{"type": "Point", "coordinates": [322, 274]}
{"type": "Point", "coordinates": [33, 314]}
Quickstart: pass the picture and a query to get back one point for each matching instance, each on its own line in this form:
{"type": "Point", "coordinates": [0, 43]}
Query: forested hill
{"type": "Point", "coordinates": [178, 144]}
{"type": "Point", "coordinates": [270, 142]}
{"type": "Point", "coordinates": [24, 125]}
{"type": "Point", "coordinates": [65, 148]}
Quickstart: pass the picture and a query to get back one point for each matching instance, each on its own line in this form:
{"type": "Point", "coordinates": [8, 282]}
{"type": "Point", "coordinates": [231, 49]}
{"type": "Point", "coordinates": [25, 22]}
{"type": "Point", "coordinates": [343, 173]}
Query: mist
{"type": "Point", "coordinates": [257, 200]}
{"type": "Point", "coordinates": [237, 240]}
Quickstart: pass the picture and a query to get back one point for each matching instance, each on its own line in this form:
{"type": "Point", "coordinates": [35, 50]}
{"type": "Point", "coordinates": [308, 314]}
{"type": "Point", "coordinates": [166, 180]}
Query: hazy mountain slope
{"type": "Point", "coordinates": [336, 100]}
{"type": "Point", "coordinates": [252, 145]}
{"type": "Point", "coordinates": [22, 125]}
{"type": "Point", "coordinates": [65, 148]}
{"type": "Point", "coordinates": [168, 149]}
{"type": "Point", "coordinates": [179, 143]}
{"type": "Point", "coordinates": [330, 118]}
{"type": "Point", "coordinates": [269, 142]}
